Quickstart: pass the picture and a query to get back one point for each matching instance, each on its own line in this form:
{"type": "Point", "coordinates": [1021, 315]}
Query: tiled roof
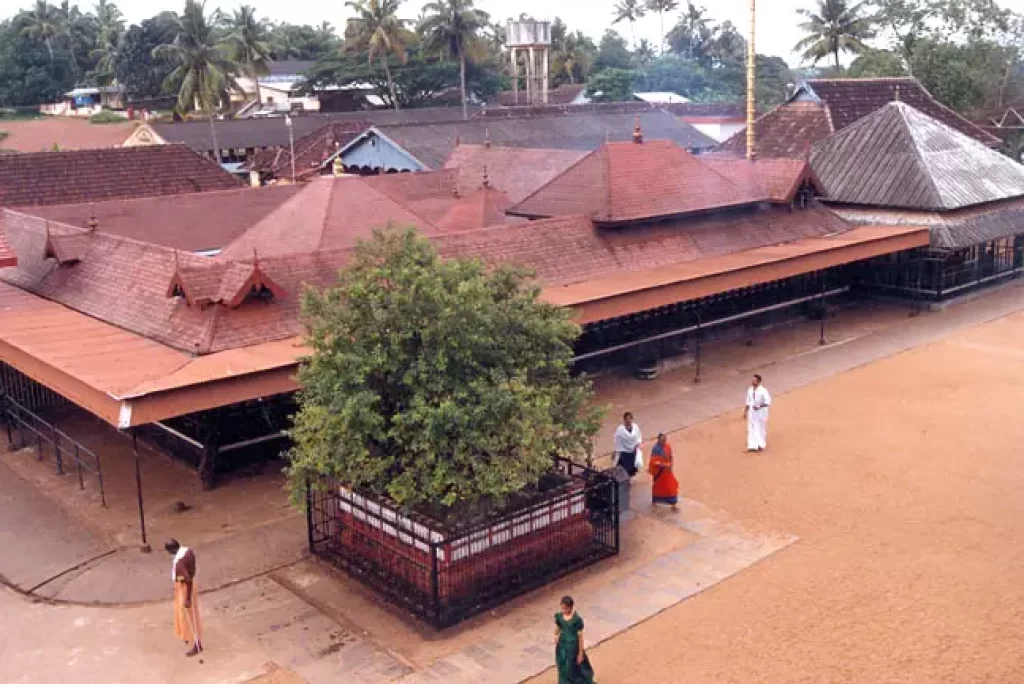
{"type": "Point", "coordinates": [851, 99]}
{"type": "Point", "coordinates": [433, 144]}
{"type": "Point", "coordinates": [697, 110]}
{"type": "Point", "coordinates": [482, 207]}
{"type": "Point", "coordinates": [623, 182]}
{"type": "Point", "coordinates": [776, 179]}
{"type": "Point", "coordinates": [311, 151]}
{"type": "Point", "coordinates": [901, 157]}
{"type": "Point", "coordinates": [193, 223]}
{"type": "Point", "coordinates": [68, 132]}
{"type": "Point", "coordinates": [517, 171]}
{"type": "Point", "coordinates": [239, 133]}
{"type": "Point", "coordinates": [45, 178]}
{"type": "Point", "coordinates": [786, 132]}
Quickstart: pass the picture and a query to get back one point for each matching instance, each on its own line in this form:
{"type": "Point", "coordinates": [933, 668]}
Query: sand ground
{"type": "Point", "coordinates": [904, 480]}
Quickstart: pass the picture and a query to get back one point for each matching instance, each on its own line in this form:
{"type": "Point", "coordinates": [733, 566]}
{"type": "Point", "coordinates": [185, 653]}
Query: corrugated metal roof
{"type": "Point", "coordinates": [900, 157]}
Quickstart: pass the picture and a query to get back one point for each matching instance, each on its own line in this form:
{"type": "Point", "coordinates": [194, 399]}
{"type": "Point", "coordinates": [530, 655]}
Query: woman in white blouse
{"type": "Point", "coordinates": [627, 441]}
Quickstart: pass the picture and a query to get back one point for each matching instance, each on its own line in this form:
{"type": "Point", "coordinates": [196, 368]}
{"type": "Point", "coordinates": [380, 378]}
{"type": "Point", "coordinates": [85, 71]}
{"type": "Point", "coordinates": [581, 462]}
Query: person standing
{"type": "Point", "coordinates": [627, 441]}
{"type": "Point", "coordinates": [756, 414]}
{"type": "Point", "coordinates": [664, 486]}
{"type": "Point", "coordinates": [570, 656]}
{"type": "Point", "coordinates": [186, 596]}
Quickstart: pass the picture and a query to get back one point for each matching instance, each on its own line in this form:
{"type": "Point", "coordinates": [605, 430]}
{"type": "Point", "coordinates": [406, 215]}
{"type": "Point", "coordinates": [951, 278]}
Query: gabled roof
{"type": "Point", "coordinates": [311, 151]}
{"type": "Point", "coordinates": [776, 179]}
{"type": "Point", "coordinates": [625, 182]}
{"type": "Point", "coordinates": [851, 99]}
{"type": "Point", "coordinates": [517, 171]}
{"type": "Point", "coordinates": [786, 132]}
{"type": "Point", "coordinates": [433, 144]}
{"type": "Point", "coordinates": [482, 207]}
{"type": "Point", "coordinates": [47, 178]}
{"type": "Point", "coordinates": [239, 133]}
{"type": "Point", "coordinates": [900, 157]}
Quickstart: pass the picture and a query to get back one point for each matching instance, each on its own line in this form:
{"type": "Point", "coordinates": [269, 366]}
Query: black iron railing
{"type": "Point", "coordinates": [67, 452]}
{"type": "Point", "coordinates": [444, 574]}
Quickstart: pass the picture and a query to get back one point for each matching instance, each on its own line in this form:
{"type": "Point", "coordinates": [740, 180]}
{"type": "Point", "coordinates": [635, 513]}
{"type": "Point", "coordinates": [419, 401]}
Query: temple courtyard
{"type": "Point", "coordinates": [880, 538]}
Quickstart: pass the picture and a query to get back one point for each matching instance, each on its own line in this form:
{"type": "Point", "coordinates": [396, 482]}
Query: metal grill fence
{"type": "Point", "coordinates": [444, 574]}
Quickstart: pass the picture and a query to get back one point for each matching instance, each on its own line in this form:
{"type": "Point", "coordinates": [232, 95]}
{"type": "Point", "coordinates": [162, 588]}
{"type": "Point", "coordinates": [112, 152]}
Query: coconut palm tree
{"type": "Point", "coordinates": [662, 6]}
{"type": "Point", "coordinates": [631, 11]}
{"type": "Point", "coordinates": [204, 75]}
{"type": "Point", "coordinates": [452, 27]}
{"type": "Point", "coordinates": [45, 24]}
{"type": "Point", "coordinates": [377, 29]}
{"type": "Point", "coordinates": [644, 53]}
{"type": "Point", "coordinates": [834, 26]}
{"type": "Point", "coordinates": [110, 28]}
{"type": "Point", "coordinates": [248, 45]}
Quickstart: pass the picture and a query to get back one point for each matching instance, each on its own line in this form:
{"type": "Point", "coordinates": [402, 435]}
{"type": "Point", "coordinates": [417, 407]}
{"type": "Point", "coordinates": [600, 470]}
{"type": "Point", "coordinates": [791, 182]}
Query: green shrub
{"type": "Point", "coordinates": [107, 117]}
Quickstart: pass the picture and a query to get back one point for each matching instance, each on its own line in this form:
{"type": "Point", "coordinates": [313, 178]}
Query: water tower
{"type": "Point", "coordinates": [533, 37]}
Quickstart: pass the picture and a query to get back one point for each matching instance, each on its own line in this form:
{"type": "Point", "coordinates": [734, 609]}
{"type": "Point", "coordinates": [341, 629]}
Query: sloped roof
{"type": "Point", "coordinates": [623, 182]}
{"type": "Point", "coordinates": [195, 223]}
{"type": "Point", "coordinates": [851, 99]}
{"type": "Point", "coordinates": [239, 133]}
{"type": "Point", "coordinates": [776, 179]}
{"type": "Point", "coordinates": [517, 171]}
{"type": "Point", "coordinates": [433, 144]}
{"type": "Point", "coordinates": [482, 207]}
{"type": "Point", "coordinates": [901, 157]}
{"type": "Point", "coordinates": [786, 132]}
{"type": "Point", "coordinates": [46, 178]}
{"type": "Point", "coordinates": [311, 151]}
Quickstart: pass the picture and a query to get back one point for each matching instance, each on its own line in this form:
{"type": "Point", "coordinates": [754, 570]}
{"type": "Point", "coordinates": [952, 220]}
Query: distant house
{"type": "Point", "coordinates": [313, 153]}
{"type": "Point", "coordinates": [278, 90]}
{"type": "Point", "coordinates": [86, 101]}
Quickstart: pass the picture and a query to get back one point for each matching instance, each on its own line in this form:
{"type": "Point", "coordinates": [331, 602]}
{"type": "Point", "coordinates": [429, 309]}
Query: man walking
{"type": "Point", "coordinates": [186, 596]}
{"type": "Point", "coordinates": [756, 414]}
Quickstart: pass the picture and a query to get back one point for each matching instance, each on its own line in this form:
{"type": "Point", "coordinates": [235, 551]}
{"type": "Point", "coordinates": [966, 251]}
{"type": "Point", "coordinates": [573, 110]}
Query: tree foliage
{"type": "Point", "coordinates": [611, 85]}
{"type": "Point", "coordinates": [452, 29]}
{"type": "Point", "coordinates": [834, 26]}
{"type": "Point", "coordinates": [137, 69]}
{"type": "Point", "coordinates": [436, 382]}
{"type": "Point", "coordinates": [378, 31]}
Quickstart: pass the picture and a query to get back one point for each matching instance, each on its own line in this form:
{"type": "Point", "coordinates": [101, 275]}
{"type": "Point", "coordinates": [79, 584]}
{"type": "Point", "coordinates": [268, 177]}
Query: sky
{"type": "Point", "coordinates": [776, 20]}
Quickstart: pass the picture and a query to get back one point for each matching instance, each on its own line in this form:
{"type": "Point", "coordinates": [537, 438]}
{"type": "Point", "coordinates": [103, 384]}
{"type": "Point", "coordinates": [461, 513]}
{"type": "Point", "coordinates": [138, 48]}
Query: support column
{"type": "Point", "coordinates": [145, 548]}
{"type": "Point", "coordinates": [530, 91]}
{"type": "Point", "coordinates": [515, 75]}
{"type": "Point", "coordinates": [211, 448]}
{"type": "Point", "coordinates": [824, 306]}
{"type": "Point", "coordinates": [696, 376]}
{"type": "Point", "coordinates": [545, 75]}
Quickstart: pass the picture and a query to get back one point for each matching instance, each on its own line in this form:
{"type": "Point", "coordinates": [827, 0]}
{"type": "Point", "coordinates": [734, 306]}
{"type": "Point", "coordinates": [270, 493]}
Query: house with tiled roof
{"type": "Point", "coordinates": [313, 153]}
{"type": "Point", "coordinates": [820, 107]}
{"type": "Point", "coordinates": [898, 166]}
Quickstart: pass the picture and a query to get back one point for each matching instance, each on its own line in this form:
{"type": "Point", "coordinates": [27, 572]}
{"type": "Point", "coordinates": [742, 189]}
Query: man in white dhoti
{"type": "Point", "coordinates": [756, 414]}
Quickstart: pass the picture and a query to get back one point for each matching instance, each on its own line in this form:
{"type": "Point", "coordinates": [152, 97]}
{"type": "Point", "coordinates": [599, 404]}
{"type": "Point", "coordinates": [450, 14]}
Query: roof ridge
{"type": "Point", "coordinates": [569, 168]}
{"type": "Point", "coordinates": [904, 109]}
{"type": "Point", "coordinates": [871, 79]}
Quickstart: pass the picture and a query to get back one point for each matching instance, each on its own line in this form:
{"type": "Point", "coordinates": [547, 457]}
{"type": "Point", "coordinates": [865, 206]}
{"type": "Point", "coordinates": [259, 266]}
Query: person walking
{"type": "Point", "coordinates": [664, 486]}
{"type": "Point", "coordinates": [570, 656]}
{"type": "Point", "coordinates": [628, 441]}
{"type": "Point", "coordinates": [756, 414]}
{"type": "Point", "coordinates": [186, 596]}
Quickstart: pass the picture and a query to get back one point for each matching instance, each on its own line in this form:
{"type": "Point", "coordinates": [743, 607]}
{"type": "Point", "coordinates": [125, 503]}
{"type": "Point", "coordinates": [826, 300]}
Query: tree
{"type": "Point", "coordinates": [644, 53]}
{"type": "Point", "coordinates": [572, 54]}
{"type": "Point", "coordinates": [611, 85]}
{"type": "Point", "coordinates": [631, 11]}
{"type": "Point", "coordinates": [290, 41]}
{"type": "Point", "coordinates": [452, 28]}
{"type": "Point", "coordinates": [45, 24]}
{"type": "Point", "coordinates": [877, 64]}
{"type": "Point", "coordinates": [248, 45]}
{"type": "Point", "coordinates": [204, 76]}
{"type": "Point", "coordinates": [137, 69]}
{"type": "Point", "coordinates": [692, 35]}
{"type": "Point", "coordinates": [435, 383]}
{"type": "Point", "coordinates": [612, 52]}
{"type": "Point", "coordinates": [107, 49]}
{"type": "Point", "coordinates": [662, 6]}
{"type": "Point", "coordinates": [834, 27]}
{"type": "Point", "coordinates": [378, 30]}
{"type": "Point", "coordinates": [28, 74]}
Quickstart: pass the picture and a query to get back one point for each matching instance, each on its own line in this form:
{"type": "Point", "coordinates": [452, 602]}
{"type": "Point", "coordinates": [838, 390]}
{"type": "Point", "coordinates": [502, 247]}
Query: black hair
{"type": "Point", "coordinates": [627, 414]}
{"type": "Point", "coordinates": [567, 601]}
{"type": "Point", "coordinates": [758, 377]}
{"type": "Point", "coordinates": [172, 546]}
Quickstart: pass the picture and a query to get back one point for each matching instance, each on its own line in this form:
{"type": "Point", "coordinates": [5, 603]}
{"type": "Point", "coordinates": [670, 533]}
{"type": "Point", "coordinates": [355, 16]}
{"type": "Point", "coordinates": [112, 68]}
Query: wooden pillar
{"type": "Point", "coordinates": [696, 376]}
{"type": "Point", "coordinates": [824, 307]}
{"type": "Point", "coordinates": [138, 490]}
{"type": "Point", "coordinates": [211, 448]}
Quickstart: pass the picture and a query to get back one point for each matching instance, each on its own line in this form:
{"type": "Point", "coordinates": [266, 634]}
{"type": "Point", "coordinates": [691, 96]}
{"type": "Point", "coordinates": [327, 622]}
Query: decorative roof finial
{"type": "Point", "coordinates": [176, 264]}
{"type": "Point", "coordinates": [487, 137]}
{"type": "Point", "coordinates": [638, 133]}
{"type": "Point", "coordinates": [457, 140]}
{"type": "Point", "coordinates": [92, 223]}
{"type": "Point", "coordinates": [255, 258]}
{"type": "Point", "coordinates": [487, 180]}
{"type": "Point", "coordinates": [896, 93]}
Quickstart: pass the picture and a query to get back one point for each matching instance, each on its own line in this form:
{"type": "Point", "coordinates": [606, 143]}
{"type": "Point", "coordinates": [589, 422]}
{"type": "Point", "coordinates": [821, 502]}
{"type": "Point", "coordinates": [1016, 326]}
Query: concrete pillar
{"type": "Point", "coordinates": [515, 75]}
{"type": "Point", "coordinates": [545, 75]}
{"type": "Point", "coordinates": [531, 92]}
{"type": "Point", "coordinates": [254, 179]}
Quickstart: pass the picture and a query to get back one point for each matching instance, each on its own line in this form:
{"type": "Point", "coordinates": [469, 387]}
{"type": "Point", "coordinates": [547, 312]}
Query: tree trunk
{"type": "Point", "coordinates": [836, 53]}
{"type": "Point", "coordinates": [49, 48]}
{"type": "Point", "coordinates": [662, 33]}
{"type": "Point", "coordinates": [213, 134]}
{"type": "Point", "coordinates": [462, 84]}
{"type": "Point", "coordinates": [632, 29]}
{"type": "Point", "coordinates": [391, 82]}
{"type": "Point", "coordinates": [256, 83]}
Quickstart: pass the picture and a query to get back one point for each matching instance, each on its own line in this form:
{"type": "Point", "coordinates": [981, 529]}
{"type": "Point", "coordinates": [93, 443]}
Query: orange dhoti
{"type": "Point", "coordinates": [664, 486]}
{"type": "Point", "coordinates": [186, 619]}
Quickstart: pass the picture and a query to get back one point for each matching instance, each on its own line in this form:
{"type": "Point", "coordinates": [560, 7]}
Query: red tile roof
{"type": "Point", "coordinates": [517, 171]}
{"type": "Point", "coordinates": [482, 207]}
{"type": "Point", "coordinates": [46, 178]}
{"type": "Point", "coordinates": [311, 151]}
{"type": "Point", "coordinates": [194, 223]}
{"type": "Point", "coordinates": [776, 179]}
{"type": "Point", "coordinates": [787, 132]}
{"type": "Point", "coordinates": [69, 133]}
{"type": "Point", "coordinates": [624, 182]}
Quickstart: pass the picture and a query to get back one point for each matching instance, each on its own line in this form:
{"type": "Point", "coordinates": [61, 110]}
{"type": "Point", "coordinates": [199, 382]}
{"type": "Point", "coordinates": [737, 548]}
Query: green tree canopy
{"type": "Point", "coordinates": [436, 382]}
{"type": "Point", "coordinates": [612, 52]}
{"type": "Point", "coordinates": [137, 69]}
{"type": "Point", "coordinates": [381, 34]}
{"type": "Point", "coordinates": [834, 26]}
{"type": "Point", "coordinates": [248, 45]}
{"type": "Point", "coordinates": [452, 28]}
{"type": "Point", "coordinates": [611, 85]}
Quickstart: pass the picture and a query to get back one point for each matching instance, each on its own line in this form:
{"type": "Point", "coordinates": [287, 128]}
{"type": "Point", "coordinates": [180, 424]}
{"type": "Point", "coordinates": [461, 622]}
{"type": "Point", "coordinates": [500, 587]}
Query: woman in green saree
{"type": "Point", "coordinates": [570, 656]}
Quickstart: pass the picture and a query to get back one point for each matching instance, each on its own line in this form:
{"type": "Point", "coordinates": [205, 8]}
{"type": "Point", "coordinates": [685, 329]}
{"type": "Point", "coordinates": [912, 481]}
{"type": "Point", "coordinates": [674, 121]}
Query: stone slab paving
{"type": "Point", "coordinates": [724, 549]}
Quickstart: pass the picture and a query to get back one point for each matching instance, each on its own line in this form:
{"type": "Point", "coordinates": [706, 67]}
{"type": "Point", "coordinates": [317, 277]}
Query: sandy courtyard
{"type": "Point", "coordinates": [904, 480]}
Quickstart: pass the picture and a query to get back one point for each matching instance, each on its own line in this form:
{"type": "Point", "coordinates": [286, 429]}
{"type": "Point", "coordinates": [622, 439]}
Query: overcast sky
{"type": "Point", "coordinates": [776, 30]}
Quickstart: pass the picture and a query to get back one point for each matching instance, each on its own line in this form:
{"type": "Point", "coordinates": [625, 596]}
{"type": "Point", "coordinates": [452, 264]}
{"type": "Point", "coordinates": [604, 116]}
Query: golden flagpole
{"type": "Point", "coordinates": [751, 92]}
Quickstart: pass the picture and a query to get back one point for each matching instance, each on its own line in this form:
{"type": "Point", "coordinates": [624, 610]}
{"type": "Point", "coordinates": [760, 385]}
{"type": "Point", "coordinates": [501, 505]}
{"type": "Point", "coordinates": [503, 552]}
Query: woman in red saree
{"type": "Point", "coordinates": [664, 486]}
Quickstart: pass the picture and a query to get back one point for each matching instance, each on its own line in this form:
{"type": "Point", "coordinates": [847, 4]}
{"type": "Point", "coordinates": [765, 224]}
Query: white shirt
{"type": "Point", "coordinates": [627, 441]}
{"type": "Point", "coordinates": [758, 398]}
{"type": "Point", "coordinates": [182, 550]}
